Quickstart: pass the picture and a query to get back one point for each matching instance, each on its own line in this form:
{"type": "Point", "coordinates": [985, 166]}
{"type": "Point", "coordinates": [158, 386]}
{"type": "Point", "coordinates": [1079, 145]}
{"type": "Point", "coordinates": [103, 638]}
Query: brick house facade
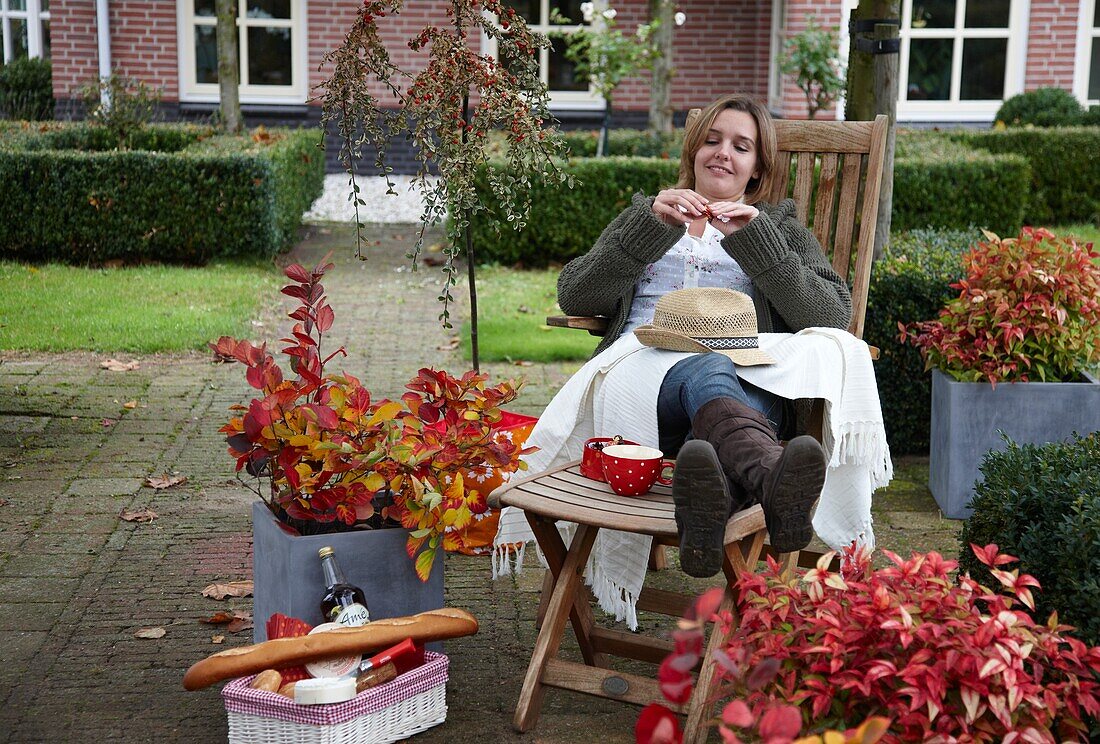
{"type": "Point", "coordinates": [959, 58]}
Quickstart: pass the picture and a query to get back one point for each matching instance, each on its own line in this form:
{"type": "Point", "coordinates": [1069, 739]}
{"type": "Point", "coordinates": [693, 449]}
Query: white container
{"type": "Point", "coordinates": [404, 706]}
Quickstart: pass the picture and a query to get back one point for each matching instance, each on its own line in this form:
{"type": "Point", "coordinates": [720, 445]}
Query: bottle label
{"type": "Point", "coordinates": [352, 616]}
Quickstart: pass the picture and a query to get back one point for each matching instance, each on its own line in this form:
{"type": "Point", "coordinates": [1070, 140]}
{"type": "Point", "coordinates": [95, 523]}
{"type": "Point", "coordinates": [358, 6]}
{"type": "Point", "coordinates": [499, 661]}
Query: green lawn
{"type": "Point", "coordinates": [1084, 231]}
{"type": "Point", "coordinates": [141, 309]}
{"type": "Point", "coordinates": [512, 309]}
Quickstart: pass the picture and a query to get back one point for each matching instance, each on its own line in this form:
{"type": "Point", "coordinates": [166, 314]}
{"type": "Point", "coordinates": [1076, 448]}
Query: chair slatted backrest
{"type": "Point", "coordinates": [837, 173]}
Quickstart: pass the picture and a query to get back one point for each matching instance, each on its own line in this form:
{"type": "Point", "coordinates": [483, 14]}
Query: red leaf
{"type": "Point", "coordinates": [325, 317]}
{"type": "Point", "coordinates": [737, 714]}
{"type": "Point", "coordinates": [296, 273]}
{"type": "Point", "coordinates": [783, 722]}
{"type": "Point", "coordinates": [657, 725]}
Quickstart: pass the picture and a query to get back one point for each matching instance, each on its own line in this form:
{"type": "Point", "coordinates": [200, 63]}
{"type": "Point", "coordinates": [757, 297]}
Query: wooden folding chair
{"type": "Point", "coordinates": [837, 171]}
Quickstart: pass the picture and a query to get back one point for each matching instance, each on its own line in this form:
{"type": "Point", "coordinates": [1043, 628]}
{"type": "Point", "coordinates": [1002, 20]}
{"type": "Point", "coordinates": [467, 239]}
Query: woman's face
{"type": "Point", "coordinates": [727, 159]}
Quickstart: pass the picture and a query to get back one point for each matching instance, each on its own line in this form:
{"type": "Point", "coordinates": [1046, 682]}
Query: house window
{"type": "Point", "coordinates": [25, 28]}
{"type": "Point", "coordinates": [960, 58]}
{"type": "Point", "coordinates": [1086, 76]}
{"type": "Point", "coordinates": [567, 89]}
{"type": "Point", "coordinates": [271, 40]}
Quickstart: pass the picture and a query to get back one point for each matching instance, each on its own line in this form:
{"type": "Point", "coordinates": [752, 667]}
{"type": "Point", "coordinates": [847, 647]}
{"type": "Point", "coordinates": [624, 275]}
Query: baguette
{"type": "Point", "coordinates": [434, 625]}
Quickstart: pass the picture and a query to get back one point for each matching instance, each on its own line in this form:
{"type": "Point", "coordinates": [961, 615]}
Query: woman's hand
{"type": "Point", "coordinates": [729, 217]}
{"type": "Point", "coordinates": [678, 207]}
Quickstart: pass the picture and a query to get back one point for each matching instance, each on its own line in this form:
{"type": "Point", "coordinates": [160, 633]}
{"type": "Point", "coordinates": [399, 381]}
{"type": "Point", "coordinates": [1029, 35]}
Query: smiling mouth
{"type": "Point", "coordinates": [720, 169]}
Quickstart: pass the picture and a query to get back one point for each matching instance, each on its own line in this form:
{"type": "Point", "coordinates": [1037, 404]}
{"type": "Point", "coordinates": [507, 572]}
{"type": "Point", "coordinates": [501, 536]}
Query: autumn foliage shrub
{"type": "Point", "coordinates": [331, 455]}
{"type": "Point", "coordinates": [1028, 309]}
{"type": "Point", "coordinates": [944, 659]}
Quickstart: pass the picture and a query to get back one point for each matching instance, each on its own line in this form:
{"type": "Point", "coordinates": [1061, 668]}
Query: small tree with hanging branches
{"type": "Point", "coordinates": [432, 107]}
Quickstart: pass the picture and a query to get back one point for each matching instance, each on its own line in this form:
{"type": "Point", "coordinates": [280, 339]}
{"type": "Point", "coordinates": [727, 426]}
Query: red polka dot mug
{"type": "Point", "coordinates": [631, 469]}
{"type": "Point", "coordinates": [592, 461]}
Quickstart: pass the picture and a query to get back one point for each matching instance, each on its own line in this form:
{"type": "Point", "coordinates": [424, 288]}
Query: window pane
{"type": "Point", "coordinates": [527, 9]}
{"type": "Point", "coordinates": [206, 54]}
{"type": "Point", "coordinates": [269, 8]}
{"type": "Point", "coordinates": [19, 47]}
{"type": "Point", "coordinates": [571, 9]}
{"type": "Point", "coordinates": [933, 14]}
{"type": "Point", "coordinates": [929, 70]}
{"type": "Point", "coordinates": [269, 56]}
{"type": "Point", "coordinates": [17, 4]}
{"type": "Point", "coordinates": [45, 6]}
{"type": "Point", "coordinates": [1094, 71]}
{"type": "Point", "coordinates": [46, 39]}
{"type": "Point", "coordinates": [987, 13]}
{"type": "Point", "coordinates": [561, 75]}
{"type": "Point", "coordinates": [205, 8]}
{"type": "Point", "coordinates": [983, 69]}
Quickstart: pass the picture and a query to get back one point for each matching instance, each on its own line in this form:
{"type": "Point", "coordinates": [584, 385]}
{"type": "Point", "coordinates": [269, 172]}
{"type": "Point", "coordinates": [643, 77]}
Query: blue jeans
{"type": "Point", "coordinates": [694, 382]}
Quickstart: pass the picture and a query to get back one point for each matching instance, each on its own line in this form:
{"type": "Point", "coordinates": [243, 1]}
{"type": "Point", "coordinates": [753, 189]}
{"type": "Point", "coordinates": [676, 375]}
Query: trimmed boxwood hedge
{"type": "Point", "coordinates": [911, 282]}
{"type": "Point", "coordinates": [565, 222]}
{"type": "Point", "coordinates": [180, 194]}
{"type": "Point", "coordinates": [1041, 503]}
{"type": "Point", "coordinates": [1065, 172]}
{"type": "Point", "coordinates": [939, 182]}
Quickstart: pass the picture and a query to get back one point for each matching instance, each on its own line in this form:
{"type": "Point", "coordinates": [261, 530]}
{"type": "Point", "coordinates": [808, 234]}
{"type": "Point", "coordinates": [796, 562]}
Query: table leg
{"type": "Point", "coordinates": [549, 637]}
{"type": "Point", "coordinates": [553, 548]}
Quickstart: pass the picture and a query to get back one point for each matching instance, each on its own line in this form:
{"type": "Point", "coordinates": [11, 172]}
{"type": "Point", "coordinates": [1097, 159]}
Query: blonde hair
{"type": "Point", "coordinates": [696, 134]}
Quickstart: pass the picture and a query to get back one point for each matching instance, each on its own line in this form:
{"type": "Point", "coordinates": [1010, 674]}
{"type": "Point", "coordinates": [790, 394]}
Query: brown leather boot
{"type": "Point", "coordinates": [786, 481]}
{"type": "Point", "coordinates": [699, 491]}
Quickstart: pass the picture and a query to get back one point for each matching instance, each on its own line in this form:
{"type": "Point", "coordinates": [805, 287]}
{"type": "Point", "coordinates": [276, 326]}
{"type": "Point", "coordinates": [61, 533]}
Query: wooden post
{"type": "Point", "coordinates": [886, 102]}
{"type": "Point", "coordinates": [228, 66]}
{"type": "Point", "coordinates": [660, 110]}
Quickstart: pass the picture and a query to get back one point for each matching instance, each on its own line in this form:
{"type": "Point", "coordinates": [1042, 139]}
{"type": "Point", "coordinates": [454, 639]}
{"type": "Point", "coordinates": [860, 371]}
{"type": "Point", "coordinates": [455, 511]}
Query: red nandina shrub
{"type": "Point", "coordinates": [946, 661]}
{"type": "Point", "coordinates": [1028, 309]}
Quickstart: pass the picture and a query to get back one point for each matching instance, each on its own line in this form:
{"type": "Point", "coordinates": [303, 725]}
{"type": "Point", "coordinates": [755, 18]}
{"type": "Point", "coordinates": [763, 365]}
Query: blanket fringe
{"type": "Point", "coordinates": [613, 598]}
{"type": "Point", "coordinates": [862, 443]}
{"type": "Point", "coordinates": [504, 563]}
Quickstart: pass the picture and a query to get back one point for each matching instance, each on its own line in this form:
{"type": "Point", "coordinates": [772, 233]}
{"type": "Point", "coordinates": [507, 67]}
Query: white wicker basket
{"type": "Point", "coordinates": [413, 702]}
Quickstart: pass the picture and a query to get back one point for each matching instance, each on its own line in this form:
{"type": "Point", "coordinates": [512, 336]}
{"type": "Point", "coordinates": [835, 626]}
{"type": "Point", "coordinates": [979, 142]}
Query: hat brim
{"type": "Point", "coordinates": [659, 338]}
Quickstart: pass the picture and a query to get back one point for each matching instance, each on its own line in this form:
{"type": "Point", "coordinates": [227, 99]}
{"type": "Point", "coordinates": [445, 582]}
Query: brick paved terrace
{"type": "Point", "coordinates": [77, 582]}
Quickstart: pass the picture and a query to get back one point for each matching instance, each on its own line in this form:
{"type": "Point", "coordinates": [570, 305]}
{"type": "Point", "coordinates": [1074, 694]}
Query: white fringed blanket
{"type": "Point", "coordinates": [616, 393]}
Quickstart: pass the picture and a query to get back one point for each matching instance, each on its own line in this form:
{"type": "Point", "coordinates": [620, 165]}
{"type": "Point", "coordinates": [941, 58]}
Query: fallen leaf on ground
{"type": "Point", "coordinates": [165, 480]}
{"type": "Point", "coordinates": [523, 363]}
{"type": "Point", "coordinates": [450, 345]}
{"type": "Point", "coordinates": [523, 309]}
{"type": "Point", "coordinates": [142, 515]}
{"type": "Point", "coordinates": [432, 261]}
{"type": "Point", "coordinates": [109, 422]}
{"type": "Point", "coordinates": [131, 404]}
{"type": "Point", "coordinates": [3, 502]}
{"type": "Point", "coordinates": [217, 639]}
{"type": "Point", "coordinates": [241, 623]}
{"type": "Point", "coordinates": [228, 589]}
{"type": "Point", "coordinates": [150, 633]}
{"type": "Point", "coordinates": [116, 366]}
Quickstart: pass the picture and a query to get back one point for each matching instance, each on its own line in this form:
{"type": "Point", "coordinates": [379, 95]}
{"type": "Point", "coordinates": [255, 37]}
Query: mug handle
{"type": "Point", "coordinates": [666, 465]}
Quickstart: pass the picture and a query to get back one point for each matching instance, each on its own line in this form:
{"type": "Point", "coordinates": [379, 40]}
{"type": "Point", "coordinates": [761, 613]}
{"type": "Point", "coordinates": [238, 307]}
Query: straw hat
{"type": "Point", "coordinates": [706, 319]}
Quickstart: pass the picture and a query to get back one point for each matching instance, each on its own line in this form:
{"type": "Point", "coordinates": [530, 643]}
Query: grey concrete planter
{"type": "Point", "coordinates": [966, 417]}
{"type": "Point", "coordinates": [287, 572]}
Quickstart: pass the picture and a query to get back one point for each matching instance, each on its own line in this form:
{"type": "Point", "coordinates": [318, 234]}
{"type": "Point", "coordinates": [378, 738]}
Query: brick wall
{"type": "Point", "coordinates": [1051, 44]}
{"type": "Point", "coordinates": [73, 45]}
{"type": "Point", "coordinates": [792, 100]}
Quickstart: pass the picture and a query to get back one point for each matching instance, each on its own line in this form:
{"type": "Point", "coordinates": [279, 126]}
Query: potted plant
{"type": "Point", "coordinates": [1028, 313]}
{"type": "Point", "coordinates": [332, 466]}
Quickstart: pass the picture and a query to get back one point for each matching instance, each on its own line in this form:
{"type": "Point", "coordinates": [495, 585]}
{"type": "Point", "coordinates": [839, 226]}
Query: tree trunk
{"type": "Point", "coordinates": [660, 109]}
{"type": "Point", "coordinates": [605, 127]}
{"type": "Point", "coordinates": [470, 265]}
{"type": "Point", "coordinates": [228, 62]}
{"type": "Point", "coordinates": [859, 102]}
{"type": "Point", "coordinates": [886, 102]}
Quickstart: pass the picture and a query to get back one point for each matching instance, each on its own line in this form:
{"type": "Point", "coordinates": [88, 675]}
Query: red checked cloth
{"type": "Point", "coordinates": [240, 698]}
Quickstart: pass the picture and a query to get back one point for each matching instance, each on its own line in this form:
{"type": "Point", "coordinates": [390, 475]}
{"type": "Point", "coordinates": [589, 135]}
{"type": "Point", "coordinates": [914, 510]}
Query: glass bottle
{"type": "Point", "coordinates": [343, 603]}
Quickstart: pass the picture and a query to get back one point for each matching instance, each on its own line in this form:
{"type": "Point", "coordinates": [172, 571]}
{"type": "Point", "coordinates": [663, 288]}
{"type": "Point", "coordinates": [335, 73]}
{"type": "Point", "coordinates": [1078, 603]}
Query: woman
{"type": "Point", "coordinates": [712, 230]}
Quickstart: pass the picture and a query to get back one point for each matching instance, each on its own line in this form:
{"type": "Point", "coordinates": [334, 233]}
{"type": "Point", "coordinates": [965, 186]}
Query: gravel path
{"type": "Point", "coordinates": [334, 206]}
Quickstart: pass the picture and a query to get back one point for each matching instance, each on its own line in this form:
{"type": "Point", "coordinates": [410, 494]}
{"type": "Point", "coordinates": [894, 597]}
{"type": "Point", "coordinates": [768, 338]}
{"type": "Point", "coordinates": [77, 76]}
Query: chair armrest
{"type": "Point", "coordinates": [595, 325]}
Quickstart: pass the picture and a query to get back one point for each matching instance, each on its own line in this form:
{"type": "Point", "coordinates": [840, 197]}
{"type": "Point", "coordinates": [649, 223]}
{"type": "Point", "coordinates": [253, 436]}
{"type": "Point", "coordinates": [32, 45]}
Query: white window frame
{"type": "Point", "coordinates": [34, 29]}
{"type": "Point", "coordinates": [1086, 32]}
{"type": "Point", "coordinates": [953, 109]}
{"type": "Point", "coordinates": [560, 99]}
{"type": "Point", "coordinates": [194, 92]}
